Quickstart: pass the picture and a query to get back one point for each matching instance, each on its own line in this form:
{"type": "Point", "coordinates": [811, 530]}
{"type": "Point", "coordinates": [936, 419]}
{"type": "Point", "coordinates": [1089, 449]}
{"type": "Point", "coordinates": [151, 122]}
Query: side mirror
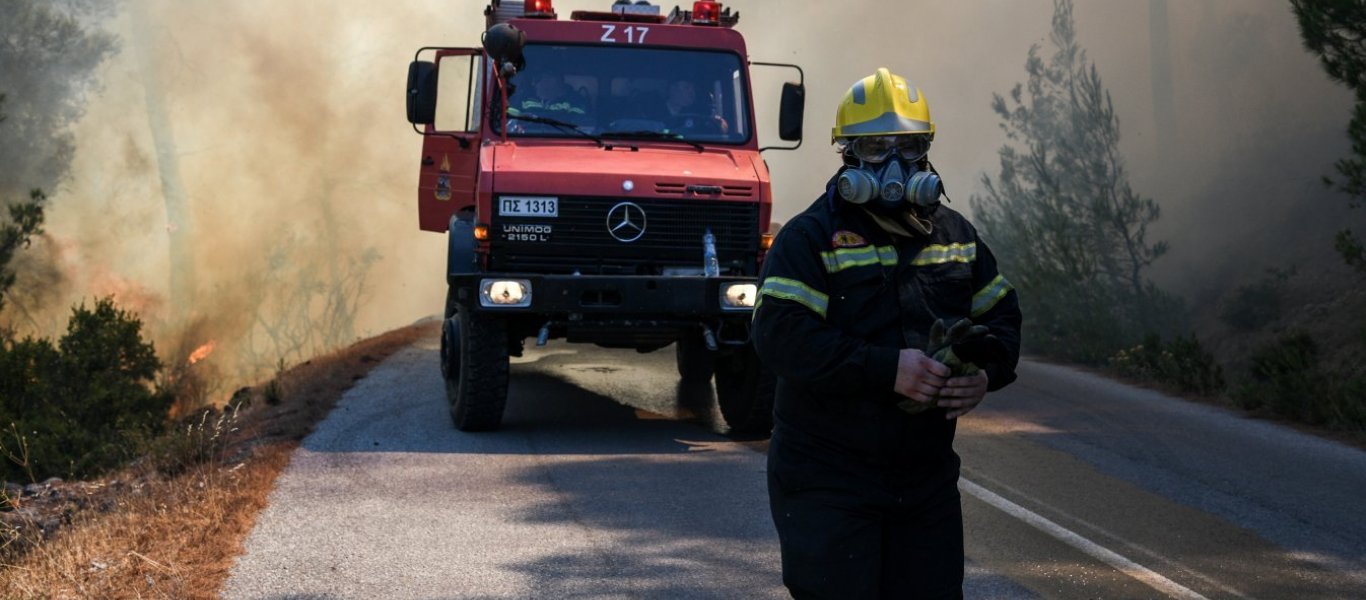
{"type": "Point", "coordinates": [422, 93]}
{"type": "Point", "coordinates": [791, 112]}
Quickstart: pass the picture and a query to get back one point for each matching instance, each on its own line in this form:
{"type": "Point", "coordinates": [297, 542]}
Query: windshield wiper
{"type": "Point", "coordinates": [564, 125]}
{"type": "Point", "coordinates": [646, 134]}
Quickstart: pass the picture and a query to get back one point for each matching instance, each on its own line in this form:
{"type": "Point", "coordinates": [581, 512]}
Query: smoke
{"type": "Point", "coordinates": [1255, 123]}
{"type": "Point", "coordinates": [1258, 126]}
{"type": "Point", "coordinates": [299, 170]}
{"type": "Point", "coordinates": [283, 125]}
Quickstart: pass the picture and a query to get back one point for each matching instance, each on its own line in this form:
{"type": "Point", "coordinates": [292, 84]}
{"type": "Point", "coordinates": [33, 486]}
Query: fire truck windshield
{"type": "Point", "coordinates": [631, 92]}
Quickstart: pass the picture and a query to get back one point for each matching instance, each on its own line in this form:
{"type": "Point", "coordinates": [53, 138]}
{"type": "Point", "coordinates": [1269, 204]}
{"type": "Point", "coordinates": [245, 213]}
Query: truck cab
{"type": "Point", "coordinates": [599, 180]}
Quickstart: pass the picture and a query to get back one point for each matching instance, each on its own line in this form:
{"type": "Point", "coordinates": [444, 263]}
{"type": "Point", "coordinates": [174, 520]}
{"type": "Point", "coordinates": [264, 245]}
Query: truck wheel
{"type": "Point", "coordinates": [695, 362]}
{"type": "Point", "coordinates": [450, 348]}
{"type": "Point", "coordinates": [477, 371]}
{"type": "Point", "coordinates": [744, 391]}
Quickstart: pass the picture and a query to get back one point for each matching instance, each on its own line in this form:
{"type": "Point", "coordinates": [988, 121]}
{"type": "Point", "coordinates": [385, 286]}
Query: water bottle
{"type": "Point", "coordinates": [710, 266]}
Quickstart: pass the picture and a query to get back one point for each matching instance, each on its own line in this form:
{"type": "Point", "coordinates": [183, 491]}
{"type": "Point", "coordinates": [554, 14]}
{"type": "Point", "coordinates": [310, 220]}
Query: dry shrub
{"type": "Point", "coordinates": [200, 438]}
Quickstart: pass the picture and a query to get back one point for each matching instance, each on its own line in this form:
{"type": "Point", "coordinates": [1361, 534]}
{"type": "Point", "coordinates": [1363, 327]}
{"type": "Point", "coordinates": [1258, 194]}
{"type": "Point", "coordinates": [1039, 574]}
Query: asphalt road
{"type": "Point", "coordinates": [609, 480]}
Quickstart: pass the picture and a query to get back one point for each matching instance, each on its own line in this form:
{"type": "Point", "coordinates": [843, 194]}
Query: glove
{"type": "Point", "coordinates": [960, 348]}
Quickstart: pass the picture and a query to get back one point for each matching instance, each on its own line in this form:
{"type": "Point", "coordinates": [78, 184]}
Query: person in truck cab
{"type": "Point", "coordinates": [862, 476]}
{"type": "Point", "coordinates": [684, 113]}
{"type": "Point", "coordinates": [682, 95]}
{"type": "Point", "coordinates": [550, 97]}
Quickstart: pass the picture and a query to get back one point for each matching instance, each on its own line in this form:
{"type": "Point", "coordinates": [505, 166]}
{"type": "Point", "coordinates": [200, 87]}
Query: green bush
{"type": "Point", "coordinates": [1334, 31]}
{"type": "Point", "coordinates": [1289, 381]}
{"type": "Point", "coordinates": [1283, 376]}
{"type": "Point", "coordinates": [1183, 363]}
{"type": "Point", "coordinates": [84, 405]}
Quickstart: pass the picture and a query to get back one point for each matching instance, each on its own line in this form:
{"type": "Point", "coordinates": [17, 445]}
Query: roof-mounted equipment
{"type": "Point", "coordinates": [704, 12]}
{"type": "Point", "coordinates": [502, 11]}
{"type": "Point", "coordinates": [639, 7]}
{"type": "Point", "coordinates": [640, 11]}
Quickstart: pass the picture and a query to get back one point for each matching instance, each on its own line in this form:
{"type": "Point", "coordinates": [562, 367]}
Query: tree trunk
{"type": "Point", "coordinates": [179, 220]}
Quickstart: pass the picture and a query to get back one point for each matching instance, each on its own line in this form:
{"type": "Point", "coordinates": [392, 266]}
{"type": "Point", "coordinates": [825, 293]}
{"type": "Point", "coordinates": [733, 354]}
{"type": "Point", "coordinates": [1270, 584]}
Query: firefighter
{"type": "Point", "coordinates": [862, 475]}
{"type": "Point", "coordinates": [682, 95]}
{"type": "Point", "coordinates": [550, 97]}
{"type": "Point", "coordinates": [683, 113]}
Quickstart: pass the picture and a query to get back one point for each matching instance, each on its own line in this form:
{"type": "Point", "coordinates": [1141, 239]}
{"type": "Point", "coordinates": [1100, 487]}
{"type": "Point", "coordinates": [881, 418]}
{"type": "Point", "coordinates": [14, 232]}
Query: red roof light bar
{"type": "Point", "coordinates": [540, 9]}
{"type": "Point", "coordinates": [706, 12]}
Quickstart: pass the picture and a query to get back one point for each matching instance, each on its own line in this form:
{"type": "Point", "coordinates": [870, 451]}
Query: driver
{"type": "Point", "coordinates": [682, 95]}
{"type": "Point", "coordinates": [683, 113]}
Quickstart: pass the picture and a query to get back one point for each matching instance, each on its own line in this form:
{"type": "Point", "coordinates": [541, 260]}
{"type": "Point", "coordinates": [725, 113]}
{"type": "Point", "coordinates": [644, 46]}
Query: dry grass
{"type": "Point", "coordinates": [177, 537]}
{"type": "Point", "coordinates": [174, 538]}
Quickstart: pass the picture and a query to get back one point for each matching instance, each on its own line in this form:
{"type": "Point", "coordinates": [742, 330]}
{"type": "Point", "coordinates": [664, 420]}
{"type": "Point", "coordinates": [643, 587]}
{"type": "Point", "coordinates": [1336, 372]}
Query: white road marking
{"type": "Point", "coordinates": [1128, 567]}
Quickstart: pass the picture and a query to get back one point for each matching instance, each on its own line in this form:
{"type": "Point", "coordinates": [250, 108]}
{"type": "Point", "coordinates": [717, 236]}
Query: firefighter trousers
{"type": "Point", "coordinates": [850, 540]}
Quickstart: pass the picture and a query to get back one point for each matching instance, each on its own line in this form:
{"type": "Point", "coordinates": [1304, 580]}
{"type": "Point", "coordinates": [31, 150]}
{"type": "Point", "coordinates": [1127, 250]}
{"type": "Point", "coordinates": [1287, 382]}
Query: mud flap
{"type": "Point", "coordinates": [460, 248]}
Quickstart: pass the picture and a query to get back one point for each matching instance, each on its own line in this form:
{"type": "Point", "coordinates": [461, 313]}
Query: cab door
{"type": "Point", "coordinates": [450, 148]}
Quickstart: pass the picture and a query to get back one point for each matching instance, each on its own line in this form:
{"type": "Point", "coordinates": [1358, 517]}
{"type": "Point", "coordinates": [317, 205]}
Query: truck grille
{"type": "Point", "coordinates": [579, 239]}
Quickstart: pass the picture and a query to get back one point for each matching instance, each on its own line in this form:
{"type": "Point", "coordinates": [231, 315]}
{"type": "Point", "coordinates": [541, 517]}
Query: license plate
{"type": "Point", "coordinates": [529, 206]}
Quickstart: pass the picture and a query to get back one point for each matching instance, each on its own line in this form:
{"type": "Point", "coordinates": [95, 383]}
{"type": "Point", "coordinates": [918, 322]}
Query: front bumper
{"type": "Point", "coordinates": [588, 296]}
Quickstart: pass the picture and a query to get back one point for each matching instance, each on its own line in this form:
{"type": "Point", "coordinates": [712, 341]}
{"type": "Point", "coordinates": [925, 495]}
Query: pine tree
{"type": "Point", "coordinates": [1335, 30]}
{"type": "Point", "coordinates": [25, 221]}
{"type": "Point", "coordinates": [1070, 230]}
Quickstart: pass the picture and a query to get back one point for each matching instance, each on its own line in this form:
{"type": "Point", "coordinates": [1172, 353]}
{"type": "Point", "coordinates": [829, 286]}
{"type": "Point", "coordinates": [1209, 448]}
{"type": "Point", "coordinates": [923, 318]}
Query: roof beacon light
{"type": "Point", "coordinates": [542, 9]}
{"type": "Point", "coordinates": [706, 12]}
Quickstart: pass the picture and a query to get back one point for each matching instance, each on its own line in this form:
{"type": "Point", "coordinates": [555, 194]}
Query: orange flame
{"type": "Point", "coordinates": [201, 352]}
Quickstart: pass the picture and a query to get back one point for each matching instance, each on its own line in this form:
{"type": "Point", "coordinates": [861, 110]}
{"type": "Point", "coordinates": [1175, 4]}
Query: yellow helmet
{"type": "Point", "coordinates": [882, 104]}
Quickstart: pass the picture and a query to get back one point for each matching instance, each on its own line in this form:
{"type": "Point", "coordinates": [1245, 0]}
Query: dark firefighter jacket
{"type": "Point", "coordinates": [840, 297]}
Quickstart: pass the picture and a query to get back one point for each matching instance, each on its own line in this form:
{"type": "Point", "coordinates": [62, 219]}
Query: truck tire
{"type": "Point", "coordinates": [744, 392]}
{"type": "Point", "coordinates": [695, 362]}
{"type": "Point", "coordinates": [450, 348]}
{"type": "Point", "coordinates": [476, 370]}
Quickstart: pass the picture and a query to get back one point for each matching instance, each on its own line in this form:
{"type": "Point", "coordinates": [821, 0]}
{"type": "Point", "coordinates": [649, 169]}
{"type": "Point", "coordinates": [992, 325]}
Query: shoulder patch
{"type": "Point", "coordinates": [848, 239]}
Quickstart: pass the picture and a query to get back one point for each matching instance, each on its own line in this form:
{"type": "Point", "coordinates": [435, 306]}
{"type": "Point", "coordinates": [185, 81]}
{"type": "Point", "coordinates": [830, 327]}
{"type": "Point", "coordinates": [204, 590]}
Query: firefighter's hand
{"type": "Point", "coordinates": [919, 377]}
{"type": "Point", "coordinates": [962, 394]}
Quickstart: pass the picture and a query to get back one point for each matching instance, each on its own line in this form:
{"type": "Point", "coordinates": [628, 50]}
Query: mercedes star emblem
{"type": "Point", "coordinates": [626, 222]}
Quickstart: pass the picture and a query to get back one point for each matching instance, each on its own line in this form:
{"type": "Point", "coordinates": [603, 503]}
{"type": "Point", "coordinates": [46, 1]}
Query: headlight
{"type": "Point", "coordinates": [505, 293]}
{"type": "Point", "coordinates": [739, 296]}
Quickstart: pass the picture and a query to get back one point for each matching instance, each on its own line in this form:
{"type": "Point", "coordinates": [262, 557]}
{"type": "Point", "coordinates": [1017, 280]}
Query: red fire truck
{"type": "Point", "coordinates": [598, 179]}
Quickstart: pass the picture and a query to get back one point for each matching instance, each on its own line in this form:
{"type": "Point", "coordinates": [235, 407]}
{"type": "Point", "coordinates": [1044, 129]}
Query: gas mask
{"type": "Point", "coordinates": [893, 185]}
